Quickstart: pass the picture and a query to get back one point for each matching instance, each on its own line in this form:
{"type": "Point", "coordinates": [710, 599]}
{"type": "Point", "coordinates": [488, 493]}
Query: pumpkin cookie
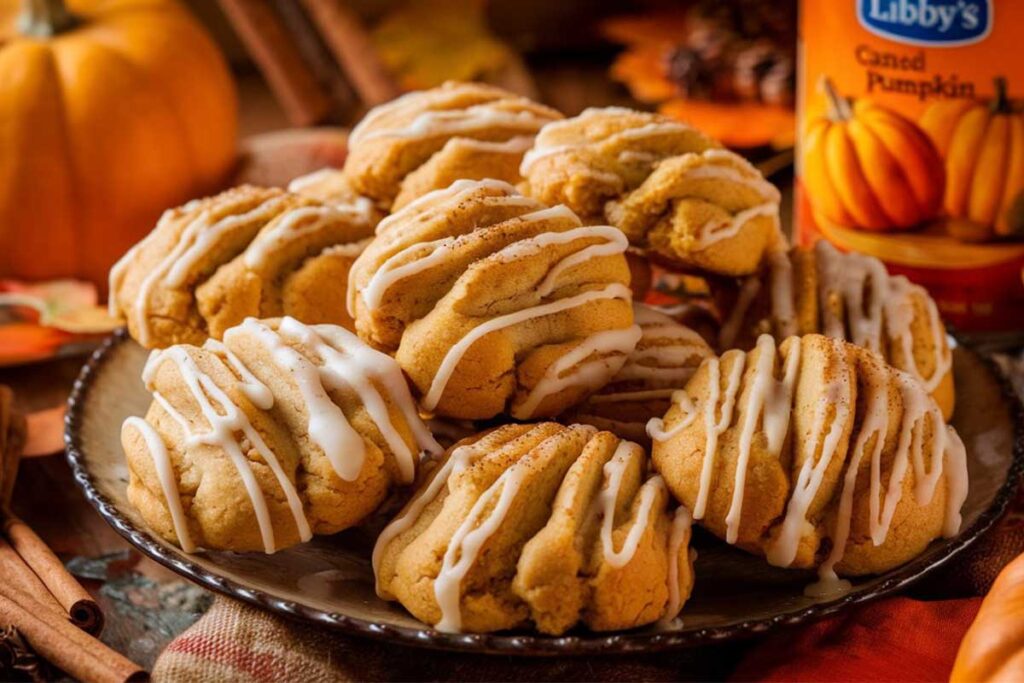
{"type": "Point", "coordinates": [847, 296]}
{"type": "Point", "coordinates": [493, 303]}
{"type": "Point", "coordinates": [542, 524]}
{"type": "Point", "coordinates": [663, 361]}
{"type": "Point", "coordinates": [672, 190]}
{"type": "Point", "coordinates": [426, 140]}
{"type": "Point", "coordinates": [331, 186]}
{"type": "Point", "coordinates": [282, 431]}
{"type": "Point", "coordinates": [250, 251]}
{"type": "Point", "coordinates": [815, 453]}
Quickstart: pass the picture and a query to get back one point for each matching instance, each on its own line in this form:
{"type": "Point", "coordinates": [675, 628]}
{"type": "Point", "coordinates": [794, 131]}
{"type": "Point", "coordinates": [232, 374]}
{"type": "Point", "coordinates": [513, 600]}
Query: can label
{"type": "Point", "coordinates": [911, 145]}
{"type": "Point", "coordinates": [931, 23]}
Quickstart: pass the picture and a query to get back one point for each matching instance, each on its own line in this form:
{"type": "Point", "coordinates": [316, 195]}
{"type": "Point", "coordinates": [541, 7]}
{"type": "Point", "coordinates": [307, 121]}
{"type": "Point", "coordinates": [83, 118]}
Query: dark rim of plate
{"type": "Point", "coordinates": [533, 645]}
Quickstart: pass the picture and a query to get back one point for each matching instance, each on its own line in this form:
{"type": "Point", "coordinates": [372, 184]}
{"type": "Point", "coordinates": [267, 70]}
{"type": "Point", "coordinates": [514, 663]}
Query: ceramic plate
{"type": "Point", "coordinates": [329, 581]}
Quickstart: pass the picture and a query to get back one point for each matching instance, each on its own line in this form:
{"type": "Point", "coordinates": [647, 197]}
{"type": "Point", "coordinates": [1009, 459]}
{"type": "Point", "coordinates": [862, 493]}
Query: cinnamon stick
{"type": "Point", "coordinates": [75, 600]}
{"type": "Point", "coordinates": [267, 41]}
{"type": "Point", "coordinates": [17, 573]}
{"type": "Point", "coordinates": [63, 644]}
{"type": "Point", "coordinates": [12, 441]}
{"type": "Point", "coordinates": [353, 49]}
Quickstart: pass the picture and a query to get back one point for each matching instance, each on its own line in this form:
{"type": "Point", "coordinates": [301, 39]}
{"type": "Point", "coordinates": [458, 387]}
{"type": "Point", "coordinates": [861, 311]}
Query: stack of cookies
{"type": "Point", "coordinates": [475, 270]}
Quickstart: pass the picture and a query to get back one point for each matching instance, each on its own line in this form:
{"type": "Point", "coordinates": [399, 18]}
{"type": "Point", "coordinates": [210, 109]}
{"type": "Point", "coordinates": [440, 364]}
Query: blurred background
{"type": "Point", "coordinates": [725, 66]}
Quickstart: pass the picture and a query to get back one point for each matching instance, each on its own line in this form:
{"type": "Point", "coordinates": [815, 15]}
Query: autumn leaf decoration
{"type": "Point", "coordinates": [697, 64]}
{"type": "Point", "coordinates": [38, 320]}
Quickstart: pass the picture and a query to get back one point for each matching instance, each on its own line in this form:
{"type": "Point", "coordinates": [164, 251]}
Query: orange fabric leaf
{"type": "Point", "coordinates": [665, 27]}
{"type": "Point", "coordinates": [737, 124]}
{"type": "Point", "coordinates": [642, 70]}
{"type": "Point", "coordinates": [23, 342]}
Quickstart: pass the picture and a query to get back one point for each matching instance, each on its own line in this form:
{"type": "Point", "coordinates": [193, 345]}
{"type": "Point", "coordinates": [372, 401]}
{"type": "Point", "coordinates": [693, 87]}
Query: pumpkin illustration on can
{"type": "Point", "coordinates": [868, 167]}
{"type": "Point", "coordinates": [982, 144]}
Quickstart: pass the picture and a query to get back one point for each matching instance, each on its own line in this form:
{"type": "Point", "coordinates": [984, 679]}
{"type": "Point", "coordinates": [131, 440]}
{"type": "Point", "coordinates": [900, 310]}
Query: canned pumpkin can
{"type": "Point", "coordinates": [911, 146]}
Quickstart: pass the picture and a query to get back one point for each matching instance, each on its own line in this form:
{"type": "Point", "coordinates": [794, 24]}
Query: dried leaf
{"type": "Point", "coordinates": [24, 342]}
{"type": "Point", "coordinates": [641, 69]}
{"type": "Point", "coordinates": [737, 124]}
{"type": "Point", "coordinates": [43, 317]}
{"type": "Point", "coordinates": [88, 320]}
{"type": "Point", "coordinates": [427, 42]}
{"type": "Point", "coordinates": [50, 299]}
{"type": "Point", "coordinates": [661, 27]}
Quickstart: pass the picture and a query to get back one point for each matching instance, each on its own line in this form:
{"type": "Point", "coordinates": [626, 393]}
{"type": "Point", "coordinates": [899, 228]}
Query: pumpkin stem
{"type": "Point", "coordinates": [1001, 102]}
{"type": "Point", "coordinates": [838, 106]}
{"type": "Point", "coordinates": [45, 18]}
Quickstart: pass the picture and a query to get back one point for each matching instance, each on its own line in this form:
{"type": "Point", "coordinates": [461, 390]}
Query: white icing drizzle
{"type": "Point", "coordinates": [604, 505]}
{"type": "Point", "coordinates": [348, 364]}
{"type": "Point", "coordinates": [714, 425]}
{"type": "Point", "coordinates": [440, 201]}
{"type": "Point", "coordinates": [588, 366]}
{"type": "Point", "coordinates": [682, 520]}
{"type": "Point", "coordinates": [715, 231]}
{"type": "Point", "coordinates": [291, 226]}
{"type": "Point", "coordinates": [769, 401]}
{"type": "Point", "coordinates": [226, 420]}
{"type": "Point", "coordinates": [873, 307]}
{"type": "Point", "coordinates": [468, 540]}
{"type": "Point", "coordinates": [616, 243]}
{"type": "Point", "coordinates": [165, 474]}
{"type": "Point", "coordinates": [673, 362]}
{"type": "Point", "coordinates": [429, 254]}
{"type": "Point", "coordinates": [388, 274]}
{"type": "Point", "coordinates": [460, 459]}
{"type": "Point", "coordinates": [254, 390]}
{"type": "Point", "coordinates": [379, 112]}
{"type": "Point", "coordinates": [656, 425]}
{"type": "Point", "coordinates": [768, 404]}
{"type": "Point", "coordinates": [542, 149]}
{"type": "Point", "coordinates": [887, 309]}
{"type": "Point", "coordinates": [192, 244]}
{"type": "Point", "coordinates": [304, 182]}
{"type": "Point", "coordinates": [947, 457]}
{"type": "Point", "coordinates": [119, 271]}
{"type": "Point", "coordinates": [836, 394]}
{"type": "Point", "coordinates": [732, 168]}
{"type": "Point", "coordinates": [459, 349]}
{"type": "Point", "coordinates": [200, 235]}
{"type": "Point", "coordinates": [515, 146]}
{"type": "Point", "coordinates": [451, 122]}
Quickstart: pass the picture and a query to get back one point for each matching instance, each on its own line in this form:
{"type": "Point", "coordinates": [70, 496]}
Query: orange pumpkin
{"type": "Point", "coordinates": [983, 147]}
{"type": "Point", "coordinates": [868, 167]}
{"type": "Point", "coordinates": [110, 111]}
{"type": "Point", "coordinates": [993, 648]}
